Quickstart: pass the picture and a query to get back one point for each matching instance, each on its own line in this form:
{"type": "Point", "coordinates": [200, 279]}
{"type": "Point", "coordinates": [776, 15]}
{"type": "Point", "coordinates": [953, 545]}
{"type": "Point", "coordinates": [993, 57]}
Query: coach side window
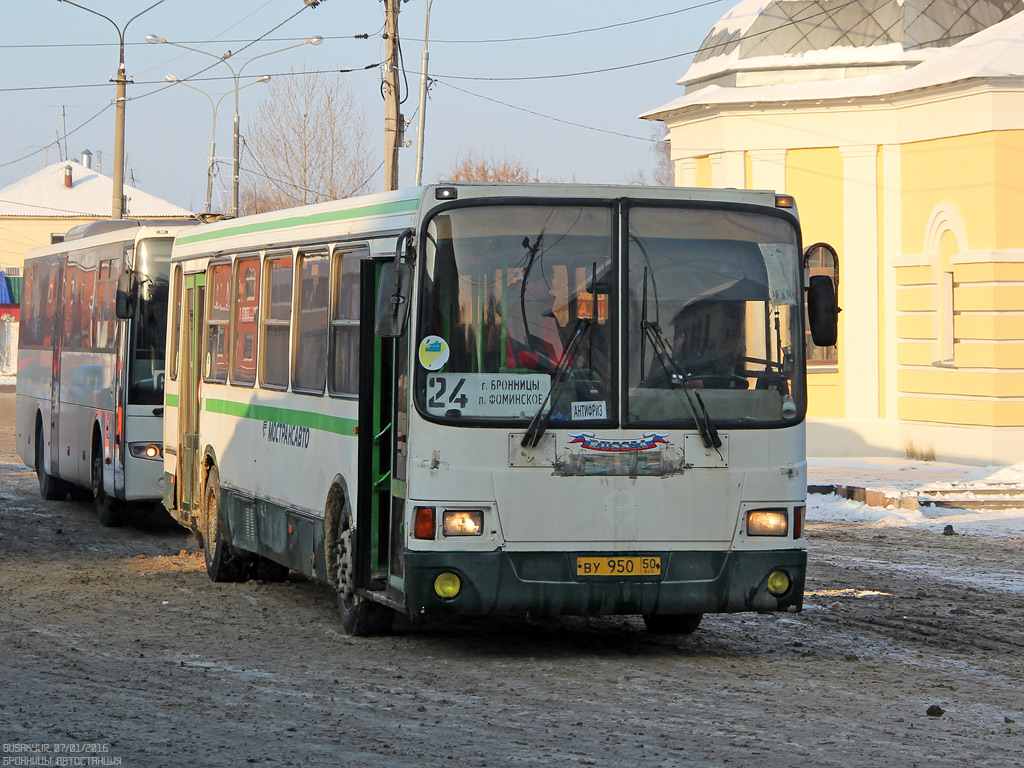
{"type": "Point", "coordinates": [247, 311]}
{"type": "Point", "coordinates": [311, 334]}
{"type": "Point", "coordinates": [277, 313]}
{"type": "Point", "coordinates": [215, 365]}
{"type": "Point", "coordinates": [344, 342]}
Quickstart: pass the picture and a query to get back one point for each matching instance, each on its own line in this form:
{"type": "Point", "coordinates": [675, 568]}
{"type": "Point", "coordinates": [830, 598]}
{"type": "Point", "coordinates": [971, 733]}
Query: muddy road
{"type": "Point", "coordinates": [115, 649]}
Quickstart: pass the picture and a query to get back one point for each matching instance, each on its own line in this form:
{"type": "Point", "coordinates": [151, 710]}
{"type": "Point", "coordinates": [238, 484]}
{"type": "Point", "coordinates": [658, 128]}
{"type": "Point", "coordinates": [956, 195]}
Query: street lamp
{"type": "Point", "coordinates": [117, 193]}
{"type": "Point", "coordinates": [236, 74]}
{"type": "Point", "coordinates": [213, 130]}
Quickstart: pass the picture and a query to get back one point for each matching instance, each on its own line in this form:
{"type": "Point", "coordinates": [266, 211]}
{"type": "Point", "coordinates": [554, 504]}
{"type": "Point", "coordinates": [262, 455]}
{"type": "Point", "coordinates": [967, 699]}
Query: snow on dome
{"type": "Point", "coordinates": [872, 36]}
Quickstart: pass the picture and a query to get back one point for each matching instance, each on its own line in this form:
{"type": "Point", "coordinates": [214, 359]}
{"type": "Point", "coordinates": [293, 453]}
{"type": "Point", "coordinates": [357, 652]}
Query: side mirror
{"type": "Point", "coordinates": [124, 304]}
{"type": "Point", "coordinates": [823, 310]}
{"type": "Point", "coordinates": [393, 294]}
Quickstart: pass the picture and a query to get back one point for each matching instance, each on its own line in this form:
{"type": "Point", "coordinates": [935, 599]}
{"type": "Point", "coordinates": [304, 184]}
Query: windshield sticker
{"type": "Point", "coordinates": [488, 395]}
{"type": "Point", "coordinates": [590, 442]}
{"type": "Point", "coordinates": [778, 261]}
{"type": "Point", "coordinates": [589, 410]}
{"type": "Point", "coordinates": [433, 353]}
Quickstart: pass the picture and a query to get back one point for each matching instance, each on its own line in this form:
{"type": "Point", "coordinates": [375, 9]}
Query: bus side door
{"type": "Point", "coordinates": [189, 403]}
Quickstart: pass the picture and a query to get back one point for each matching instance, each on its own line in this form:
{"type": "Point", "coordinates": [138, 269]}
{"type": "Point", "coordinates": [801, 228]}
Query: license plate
{"type": "Point", "coordinates": [618, 566]}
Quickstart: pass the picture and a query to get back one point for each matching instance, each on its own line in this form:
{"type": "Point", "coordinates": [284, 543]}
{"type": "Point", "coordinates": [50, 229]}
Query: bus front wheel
{"type": "Point", "coordinates": [50, 487]}
{"type": "Point", "coordinates": [223, 561]}
{"type": "Point", "coordinates": [360, 617]}
{"type": "Point", "coordinates": [672, 623]}
{"type": "Point", "coordinates": [106, 507]}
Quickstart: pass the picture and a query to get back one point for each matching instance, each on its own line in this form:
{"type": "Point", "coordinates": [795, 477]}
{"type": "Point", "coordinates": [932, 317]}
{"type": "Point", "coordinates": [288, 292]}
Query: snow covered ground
{"type": "Point", "coordinates": [988, 522]}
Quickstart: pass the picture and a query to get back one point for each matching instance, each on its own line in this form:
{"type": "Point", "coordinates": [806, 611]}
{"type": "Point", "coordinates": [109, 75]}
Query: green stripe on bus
{"type": "Point", "coordinates": [321, 421]}
{"type": "Point", "coordinates": [171, 401]}
{"type": "Point", "coordinates": [381, 209]}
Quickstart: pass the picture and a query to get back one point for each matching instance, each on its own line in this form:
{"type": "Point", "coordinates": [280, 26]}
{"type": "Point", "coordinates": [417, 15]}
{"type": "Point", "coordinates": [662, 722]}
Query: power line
{"type": "Point", "coordinates": [546, 117]}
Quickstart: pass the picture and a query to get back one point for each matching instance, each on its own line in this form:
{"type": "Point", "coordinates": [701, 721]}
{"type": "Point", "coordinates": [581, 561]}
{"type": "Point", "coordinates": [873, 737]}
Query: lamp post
{"type": "Point", "coordinates": [117, 193]}
{"type": "Point", "coordinates": [236, 75]}
{"type": "Point", "coordinates": [421, 125]}
{"type": "Point", "coordinates": [214, 106]}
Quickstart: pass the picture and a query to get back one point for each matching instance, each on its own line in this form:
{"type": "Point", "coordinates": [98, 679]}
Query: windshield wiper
{"type": "Point", "coordinates": [677, 376]}
{"type": "Point", "coordinates": [540, 421]}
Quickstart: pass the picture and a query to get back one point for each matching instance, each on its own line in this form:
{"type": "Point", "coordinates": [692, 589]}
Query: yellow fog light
{"type": "Point", "coordinates": [778, 583]}
{"type": "Point", "coordinates": [447, 585]}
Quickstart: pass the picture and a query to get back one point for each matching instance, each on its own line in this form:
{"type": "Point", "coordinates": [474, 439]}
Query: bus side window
{"type": "Point", "coordinates": [277, 313]}
{"type": "Point", "coordinates": [173, 353]}
{"type": "Point", "coordinates": [311, 318]}
{"type": "Point", "coordinates": [344, 332]}
{"type": "Point", "coordinates": [215, 365]}
{"type": "Point", "coordinates": [246, 309]}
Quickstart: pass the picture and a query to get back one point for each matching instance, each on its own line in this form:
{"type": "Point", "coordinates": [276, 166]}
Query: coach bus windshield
{"type": "Point", "coordinates": [712, 306]}
{"type": "Point", "coordinates": [149, 334]}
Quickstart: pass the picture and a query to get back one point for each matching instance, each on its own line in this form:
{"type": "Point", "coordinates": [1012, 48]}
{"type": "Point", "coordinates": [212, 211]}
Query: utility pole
{"type": "Point", "coordinates": [393, 123]}
{"type": "Point", "coordinates": [117, 196]}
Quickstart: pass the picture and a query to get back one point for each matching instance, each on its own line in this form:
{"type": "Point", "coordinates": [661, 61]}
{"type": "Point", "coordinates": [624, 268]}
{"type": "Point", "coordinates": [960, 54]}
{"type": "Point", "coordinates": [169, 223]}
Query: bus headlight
{"type": "Point", "coordinates": [152, 451]}
{"type": "Point", "coordinates": [768, 522]}
{"type": "Point", "coordinates": [463, 522]}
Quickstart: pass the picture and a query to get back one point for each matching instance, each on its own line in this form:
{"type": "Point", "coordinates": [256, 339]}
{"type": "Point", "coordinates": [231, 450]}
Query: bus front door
{"type": "Point", "coordinates": [189, 477]}
{"type": "Point", "coordinates": [377, 438]}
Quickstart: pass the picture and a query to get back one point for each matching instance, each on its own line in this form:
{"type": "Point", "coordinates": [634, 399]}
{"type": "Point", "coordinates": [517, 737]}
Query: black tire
{"type": "Point", "coordinates": [223, 561]}
{"type": "Point", "coordinates": [50, 487]}
{"type": "Point", "coordinates": [107, 509]}
{"type": "Point", "coordinates": [672, 623]}
{"type": "Point", "coordinates": [360, 616]}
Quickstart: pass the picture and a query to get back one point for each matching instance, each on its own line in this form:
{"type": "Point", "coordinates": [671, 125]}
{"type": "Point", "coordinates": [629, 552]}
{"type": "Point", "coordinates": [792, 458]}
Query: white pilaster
{"type": "Point", "coordinates": [728, 169]}
{"type": "Point", "coordinates": [859, 269]}
{"type": "Point", "coordinates": [768, 170]}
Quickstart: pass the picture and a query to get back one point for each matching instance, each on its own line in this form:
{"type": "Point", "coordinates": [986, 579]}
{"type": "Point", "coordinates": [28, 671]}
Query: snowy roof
{"type": "Point", "coordinates": [771, 34]}
{"type": "Point", "coordinates": [44, 194]}
{"type": "Point", "coordinates": [995, 52]}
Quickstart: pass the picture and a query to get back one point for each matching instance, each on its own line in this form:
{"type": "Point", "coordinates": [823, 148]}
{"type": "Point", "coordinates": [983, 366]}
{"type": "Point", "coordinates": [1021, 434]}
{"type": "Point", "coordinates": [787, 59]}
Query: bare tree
{"type": "Point", "coordinates": [662, 172]}
{"type": "Point", "coordinates": [474, 166]}
{"type": "Point", "coordinates": [308, 142]}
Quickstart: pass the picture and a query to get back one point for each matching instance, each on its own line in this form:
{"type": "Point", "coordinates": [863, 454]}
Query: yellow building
{"type": "Point", "coordinates": [898, 125]}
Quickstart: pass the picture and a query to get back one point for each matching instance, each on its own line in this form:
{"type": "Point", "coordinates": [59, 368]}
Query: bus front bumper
{"type": "Point", "coordinates": [546, 584]}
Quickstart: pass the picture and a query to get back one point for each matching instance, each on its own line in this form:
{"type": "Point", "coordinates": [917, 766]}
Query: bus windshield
{"type": "Point", "coordinates": [149, 334]}
{"type": "Point", "coordinates": [712, 308]}
{"type": "Point", "coordinates": [506, 290]}
{"type": "Point", "coordinates": [520, 313]}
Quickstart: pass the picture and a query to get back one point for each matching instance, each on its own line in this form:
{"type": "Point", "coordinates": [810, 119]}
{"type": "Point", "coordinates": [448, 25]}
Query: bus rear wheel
{"type": "Point", "coordinates": [50, 487]}
{"type": "Point", "coordinates": [673, 623]}
{"type": "Point", "coordinates": [223, 561]}
{"type": "Point", "coordinates": [360, 616]}
{"type": "Point", "coordinates": [106, 507]}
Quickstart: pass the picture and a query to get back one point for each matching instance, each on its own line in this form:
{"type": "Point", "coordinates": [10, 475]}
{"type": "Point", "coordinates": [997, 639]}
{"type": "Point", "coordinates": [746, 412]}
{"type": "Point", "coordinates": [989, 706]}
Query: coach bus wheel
{"type": "Point", "coordinates": [672, 623]}
{"type": "Point", "coordinates": [223, 561]}
{"type": "Point", "coordinates": [50, 487]}
{"type": "Point", "coordinates": [106, 507]}
{"type": "Point", "coordinates": [360, 617]}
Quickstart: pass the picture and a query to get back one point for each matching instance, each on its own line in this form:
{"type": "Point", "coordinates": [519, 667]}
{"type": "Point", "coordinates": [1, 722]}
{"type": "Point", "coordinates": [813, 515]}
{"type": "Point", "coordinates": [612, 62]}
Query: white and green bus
{"type": "Point", "coordinates": [486, 399]}
{"type": "Point", "coordinates": [89, 407]}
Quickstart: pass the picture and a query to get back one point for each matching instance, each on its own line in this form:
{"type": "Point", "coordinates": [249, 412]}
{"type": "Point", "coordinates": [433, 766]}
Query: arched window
{"type": "Point", "coordinates": [820, 259]}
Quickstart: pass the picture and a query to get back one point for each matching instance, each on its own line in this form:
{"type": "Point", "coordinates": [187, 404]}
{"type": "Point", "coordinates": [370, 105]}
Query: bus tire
{"type": "Point", "coordinates": [672, 623]}
{"type": "Point", "coordinates": [360, 616]}
{"type": "Point", "coordinates": [107, 510]}
{"type": "Point", "coordinates": [50, 487]}
{"type": "Point", "coordinates": [223, 561]}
